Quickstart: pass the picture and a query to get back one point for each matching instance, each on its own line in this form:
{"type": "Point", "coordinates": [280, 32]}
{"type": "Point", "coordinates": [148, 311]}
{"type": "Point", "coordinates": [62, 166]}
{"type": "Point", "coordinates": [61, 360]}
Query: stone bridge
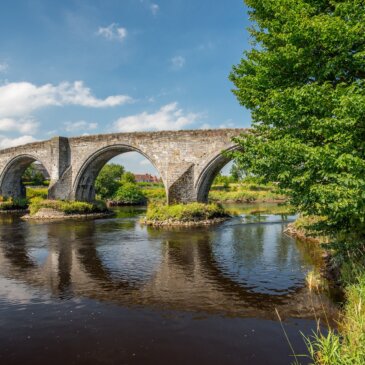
{"type": "Point", "coordinates": [187, 161]}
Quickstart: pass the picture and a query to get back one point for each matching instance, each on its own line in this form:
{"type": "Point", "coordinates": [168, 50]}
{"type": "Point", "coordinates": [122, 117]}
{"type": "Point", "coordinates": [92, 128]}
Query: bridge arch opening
{"type": "Point", "coordinates": [221, 163]}
{"type": "Point", "coordinates": [136, 168]}
{"type": "Point", "coordinates": [20, 172]}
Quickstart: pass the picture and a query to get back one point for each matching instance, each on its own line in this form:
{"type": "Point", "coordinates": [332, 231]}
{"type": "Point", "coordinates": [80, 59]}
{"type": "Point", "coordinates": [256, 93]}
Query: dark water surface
{"type": "Point", "coordinates": [111, 291]}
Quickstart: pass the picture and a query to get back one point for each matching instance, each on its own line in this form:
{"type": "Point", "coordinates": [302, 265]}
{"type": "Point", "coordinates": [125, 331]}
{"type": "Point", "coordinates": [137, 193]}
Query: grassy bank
{"type": "Point", "coordinates": [344, 345]}
{"type": "Point", "coordinates": [245, 192]}
{"type": "Point", "coordinates": [192, 212]}
{"type": "Point", "coordinates": [66, 207]}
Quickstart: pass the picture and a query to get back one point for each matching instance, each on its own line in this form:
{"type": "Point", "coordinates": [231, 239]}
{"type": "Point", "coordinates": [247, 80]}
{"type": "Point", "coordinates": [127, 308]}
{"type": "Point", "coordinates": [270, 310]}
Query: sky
{"type": "Point", "coordinates": [76, 67]}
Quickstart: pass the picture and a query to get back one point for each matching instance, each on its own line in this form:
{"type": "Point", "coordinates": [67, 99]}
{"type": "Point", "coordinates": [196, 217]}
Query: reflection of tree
{"type": "Point", "coordinates": [13, 241]}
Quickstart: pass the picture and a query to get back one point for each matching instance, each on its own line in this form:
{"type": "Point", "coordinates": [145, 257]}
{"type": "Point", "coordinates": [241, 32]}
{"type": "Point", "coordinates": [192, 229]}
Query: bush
{"type": "Point", "coordinates": [12, 203]}
{"type": "Point", "coordinates": [129, 193]}
{"type": "Point", "coordinates": [157, 194]}
{"type": "Point", "coordinates": [66, 207]}
{"type": "Point", "coordinates": [185, 212]}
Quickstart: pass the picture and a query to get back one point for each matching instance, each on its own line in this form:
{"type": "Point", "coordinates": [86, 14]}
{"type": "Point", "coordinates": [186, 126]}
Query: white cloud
{"type": "Point", "coordinates": [6, 142]}
{"type": "Point", "coordinates": [205, 126]}
{"type": "Point", "coordinates": [3, 67]}
{"type": "Point", "coordinates": [22, 98]}
{"type": "Point", "coordinates": [154, 8]}
{"type": "Point", "coordinates": [112, 32]}
{"type": "Point", "coordinates": [20, 125]}
{"type": "Point", "coordinates": [144, 162]}
{"type": "Point", "coordinates": [80, 125]}
{"type": "Point", "coordinates": [166, 118]}
{"type": "Point", "coordinates": [177, 62]}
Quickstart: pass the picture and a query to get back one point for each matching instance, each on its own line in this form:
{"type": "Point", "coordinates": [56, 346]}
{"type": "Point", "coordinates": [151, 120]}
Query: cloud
{"type": "Point", "coordinates": [154, 8]}
{"type": "Point", "coordinates": [80, 125]}
{"type": "Point", "coordinates": [20, 125]}
{"type": "Point", "coordinates": [112, 32]}
{"type": "Point", "coordinates": [166, 118]}
{"type": "Point", "coordinates": [177, 62]}
{"type": "Point", "coordinates": [3, 67]}
{"type": "Point", "coordinates": [6, 142]}
{"type": "Point", "coordinates": [22, 98]}
{"type": "Point", "coordinates": [145, 162]}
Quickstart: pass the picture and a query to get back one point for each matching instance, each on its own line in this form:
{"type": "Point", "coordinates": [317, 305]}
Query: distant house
{"type": "Point", "coordinates": [148, 178]}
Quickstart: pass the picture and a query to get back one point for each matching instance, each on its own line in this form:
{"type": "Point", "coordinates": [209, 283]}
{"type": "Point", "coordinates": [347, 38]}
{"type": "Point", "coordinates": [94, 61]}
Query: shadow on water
{"type": "Point", "coordinates": [169, 285]}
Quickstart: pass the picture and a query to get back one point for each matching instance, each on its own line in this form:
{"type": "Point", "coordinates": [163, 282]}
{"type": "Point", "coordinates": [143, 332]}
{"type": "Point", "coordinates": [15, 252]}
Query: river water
{"type": "Point", "coordinates": [111, 291]}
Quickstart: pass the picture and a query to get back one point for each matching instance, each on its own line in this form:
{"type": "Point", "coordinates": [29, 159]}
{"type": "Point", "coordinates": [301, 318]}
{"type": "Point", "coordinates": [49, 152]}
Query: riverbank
{"type": "Point", "coordinates": [344, 344]}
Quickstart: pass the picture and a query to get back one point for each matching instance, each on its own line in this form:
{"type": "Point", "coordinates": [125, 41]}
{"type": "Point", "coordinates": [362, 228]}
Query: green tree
{"type": "Point", "coordinates": [107, 182]}
{"type": "Point", "coordinates": [128, 177]}
{"type": "Point", "coordinates": [129, 193]}
{"type": "Point", "coordinates": [303, 81]}
{"type": "Point", "coordinates": [32, 176]}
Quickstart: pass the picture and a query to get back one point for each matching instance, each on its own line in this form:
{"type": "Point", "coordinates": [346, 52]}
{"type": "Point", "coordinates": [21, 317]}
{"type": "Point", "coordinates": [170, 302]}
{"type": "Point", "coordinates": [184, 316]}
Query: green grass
{"type": "Point", "coordinates": [347, 346]}
{"type": "Point", "coordinates": [184, 212]}
{"type": "Point", "coordinates": [66, 207]}
{"type": "Point", "coordinates": [245, 192]}
{"type": "Point", "coordinates": [36, 193]}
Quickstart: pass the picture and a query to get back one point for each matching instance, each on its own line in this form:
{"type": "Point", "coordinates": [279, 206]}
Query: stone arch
{"type": "Point", "coordinates": [83, 185]}
{"type": "Point", "coordinates": [209, 172]}
{"type": "Point", "coordinates": [11, 176]}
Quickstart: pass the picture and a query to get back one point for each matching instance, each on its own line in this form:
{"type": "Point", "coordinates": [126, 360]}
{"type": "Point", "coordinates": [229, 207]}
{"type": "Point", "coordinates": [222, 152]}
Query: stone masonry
{"type": "Point", "coordinates": [187, 161]}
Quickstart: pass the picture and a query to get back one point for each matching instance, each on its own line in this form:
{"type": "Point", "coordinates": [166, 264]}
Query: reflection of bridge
{"type": "Point", "coordinates": [184, 277]}
{"type": "Point", "coordinates": [186, 160]}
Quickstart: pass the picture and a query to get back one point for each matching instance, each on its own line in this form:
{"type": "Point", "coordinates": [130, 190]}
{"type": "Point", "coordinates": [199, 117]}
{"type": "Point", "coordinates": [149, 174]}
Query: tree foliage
{"type": "Point", "coordinates": [33, 176]}
{"type": "Point", "coordinates": [304, 82]}
{"type": "Point", "coordinates": [129, 193]}
{"type": "Point", "coordinates": [107, 182]}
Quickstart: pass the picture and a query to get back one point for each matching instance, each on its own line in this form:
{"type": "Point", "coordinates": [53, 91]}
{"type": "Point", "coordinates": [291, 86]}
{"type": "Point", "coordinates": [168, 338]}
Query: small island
{"type": "Point", "coordinates": [44, 209]}
{"type": "Point", "coordinates": [192, 214]}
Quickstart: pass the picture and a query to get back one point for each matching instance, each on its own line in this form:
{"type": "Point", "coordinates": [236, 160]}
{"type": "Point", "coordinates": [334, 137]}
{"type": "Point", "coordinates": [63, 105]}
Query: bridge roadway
{"type": "Point", "coordinates": [186, 160]}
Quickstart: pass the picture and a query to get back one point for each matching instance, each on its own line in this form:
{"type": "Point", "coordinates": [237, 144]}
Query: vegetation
{"type": "Point", "coordinates": [107, 182]}
{"type": "Point", "coordinates": [153, 192]}
{"type": "Point", "coordinates": [66, 207]}
{"type": "Point", "coordinates": [129, 193]}
{"type": "Point", "coordinates": [304, 83]}
{"type": "Point", "coordinates": [12, 204]}
{"type": "Point", "coordinates": [32, 176]}
{"type": "Point", "coordinates": [247, 190]}
{"type": "Point", "coordinates": [184, 212]}
{"type": "Point", "coordinates": [346, 348]}
{"type": "Point", "coordinates": [36, 193]}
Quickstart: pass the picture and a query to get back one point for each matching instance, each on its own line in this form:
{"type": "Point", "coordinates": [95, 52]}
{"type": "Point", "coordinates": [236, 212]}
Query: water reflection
{"type": "Point", "coordinates": [234, 269]}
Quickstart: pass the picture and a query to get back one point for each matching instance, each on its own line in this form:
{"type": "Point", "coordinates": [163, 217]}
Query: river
{"type": "Point", "coordinates": [110, 291]}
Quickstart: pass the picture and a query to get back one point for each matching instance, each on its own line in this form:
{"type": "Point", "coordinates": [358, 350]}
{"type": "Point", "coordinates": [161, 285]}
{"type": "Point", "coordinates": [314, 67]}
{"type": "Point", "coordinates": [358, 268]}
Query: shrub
{"type": "Point", "coordinates": [66, 207]}
{"type": "Point", "coordinates": [155, 195]}
{"type": "Point", "coordinates": [129, 193]}
{"type": "Point", "coordinates": [184, 212]}
{"type": "Point", "coordinates": [12, 203]}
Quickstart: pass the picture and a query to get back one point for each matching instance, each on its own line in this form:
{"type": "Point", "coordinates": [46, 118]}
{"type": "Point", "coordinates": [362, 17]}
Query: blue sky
{"type": "Point", "coordinates": [77, 67]}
